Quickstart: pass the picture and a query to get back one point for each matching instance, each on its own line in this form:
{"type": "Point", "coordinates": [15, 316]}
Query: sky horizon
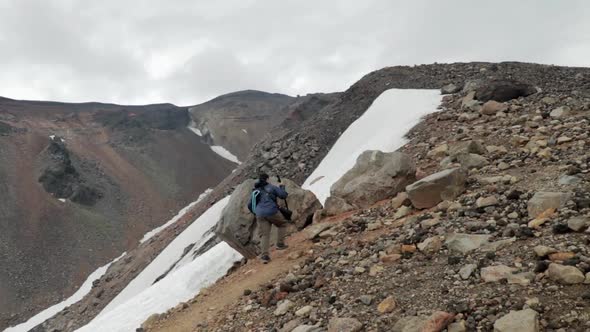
{"type": "Point", "coordinates": [187, 52]}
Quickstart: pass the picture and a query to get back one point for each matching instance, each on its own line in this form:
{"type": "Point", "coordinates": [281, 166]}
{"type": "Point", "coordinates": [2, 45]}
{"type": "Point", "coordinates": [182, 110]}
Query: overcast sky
{"type": "Point", "coordinates": [187, 51]}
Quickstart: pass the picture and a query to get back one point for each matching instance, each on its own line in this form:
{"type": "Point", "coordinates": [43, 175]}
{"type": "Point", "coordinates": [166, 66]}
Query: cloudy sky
{"type": "Point", "coordinates": [187, 51]}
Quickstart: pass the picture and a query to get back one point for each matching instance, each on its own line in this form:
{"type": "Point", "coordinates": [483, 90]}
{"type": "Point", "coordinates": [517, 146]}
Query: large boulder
{"type": "Point", "coordinates": [238, 226]}
{"type": "Point", "coordinates": [503, 90]}
{"type": "Point", "coordinates": [375, 176]}
{"type": "Point", "coordinates": [438, 187]}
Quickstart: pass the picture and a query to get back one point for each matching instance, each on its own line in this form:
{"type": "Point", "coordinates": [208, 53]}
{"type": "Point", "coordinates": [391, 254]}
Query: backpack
{"type": "Point", "coordinates": [255, 197]}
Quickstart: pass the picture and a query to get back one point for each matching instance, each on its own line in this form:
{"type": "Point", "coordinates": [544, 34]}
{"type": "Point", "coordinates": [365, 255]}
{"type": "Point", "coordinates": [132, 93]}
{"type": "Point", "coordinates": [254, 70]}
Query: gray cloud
{"type": "Point", "coordinates": [142, 51]}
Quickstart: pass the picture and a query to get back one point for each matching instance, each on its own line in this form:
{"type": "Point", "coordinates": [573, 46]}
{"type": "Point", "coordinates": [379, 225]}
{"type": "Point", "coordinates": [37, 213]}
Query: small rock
{"type": "Point", "coordinates": [492, 107]}
{"type": "Point", "coordinates": [486, 201]}
{"type": "Point", "coordinates": [402, 212]}
{"type": "Point", "coordinates": [283, 307]}
{"type": "Point", "coordinates": [518, 321]}
{"type": "Point", "coordinates": [543, 251]}
{"type": "Point", "coordinates": [465, 243]}
{"type": "Point", "coordinates": [430, 245]}
{"type": "Point", "coordinates": [578, 224]}
{"type": "Point", "coordinates": [344, 325]}
{"type": "Point", "coordinates": [459, 326]}
{"type": "Point", "coordinates": [560, 112]}
{"type": "Point", "coordinates": [366, 299]}
{"type": "Point", "coordinates": [496, 273]}
{"type": "Point", "coordinates": [565, 274]}
{"type": "Point", "coordinates": [567, 180]}
{"type": "Point", "coordinates": [399, 200]}
{"type": "Point", "coordinates": [303, 312]}
{"type": "Point", "coordinates": [387, 305]}
{"type": "Point", "coordinates": [449, 89]}
{"type": "Point", "coordinates": [466, 271]}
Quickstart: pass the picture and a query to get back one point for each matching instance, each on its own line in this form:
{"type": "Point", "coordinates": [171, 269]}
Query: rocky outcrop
{"type": "Point", "coordinates": [62, 179]}
{"type": "Point", "coordinates": [431, 190]}
{"type": "Point", "coordinates": [503, 90]}
{"type": "Point", "coordinates": [375, 176]}
{"type": "Point", "coordinates": [5, 129]}
{"type": "Point", "coordinates": [238, 226]}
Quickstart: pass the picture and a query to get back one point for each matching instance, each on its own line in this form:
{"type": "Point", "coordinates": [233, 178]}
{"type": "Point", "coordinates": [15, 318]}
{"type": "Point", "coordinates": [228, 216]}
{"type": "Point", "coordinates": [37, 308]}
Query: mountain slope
{"type": "Point", "coordinates": [228, 121]}
{"type": "Point", "coordinates": [83, 182]}
{"type": "Point", "coordinates": [509, 253]}
{"type": "Point", "coordinates": [295, 151]}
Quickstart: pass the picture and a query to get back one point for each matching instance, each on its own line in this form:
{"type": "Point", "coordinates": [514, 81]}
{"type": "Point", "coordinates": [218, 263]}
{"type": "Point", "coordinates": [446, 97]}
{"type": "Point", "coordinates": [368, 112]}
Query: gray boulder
{"type": "Point", "coordinates": [336, 205]}
{"type": "Point", "coordinates": [438, 187]}
{"type": "Point", "coordinates": [238, 226]}
{"type": "Point", "coordinates": [344, 325]}
{"type": "Point", "coordinates": [465, 243]}
{"type": "Point", "coordinates": [449, 89]}
{"type": "Point", "coordinates": [375, 176]}
{"type": "Point", "coordinates": [470, 146]}
{"type": "Point", "coordinates": [518, 321]}
{"type": "Point", "coordinates": [543, 201]}
{"type": "Point", "coordinates": [565, 274]}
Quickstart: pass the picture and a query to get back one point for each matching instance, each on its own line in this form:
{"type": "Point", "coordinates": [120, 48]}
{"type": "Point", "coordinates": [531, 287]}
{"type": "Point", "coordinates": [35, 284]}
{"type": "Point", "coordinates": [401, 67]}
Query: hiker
{"type": "Point", "coordinates": [267, 213]}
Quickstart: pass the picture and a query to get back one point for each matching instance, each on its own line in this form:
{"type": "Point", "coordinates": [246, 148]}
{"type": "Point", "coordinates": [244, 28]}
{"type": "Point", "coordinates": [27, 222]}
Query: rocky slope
{"type": "Point", "coordinates": [227, 120]}
{"type": "Point", "coordinates": [84, 182]}
{"type": "Point", "coordinates": [295, 151]}
{"type": "Point", "coordinates": [507, 251]}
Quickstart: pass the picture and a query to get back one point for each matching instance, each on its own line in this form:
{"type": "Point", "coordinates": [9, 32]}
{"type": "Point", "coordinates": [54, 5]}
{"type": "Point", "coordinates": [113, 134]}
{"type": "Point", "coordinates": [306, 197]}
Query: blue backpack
{"type": "Point", "coordinates": [255, 197]}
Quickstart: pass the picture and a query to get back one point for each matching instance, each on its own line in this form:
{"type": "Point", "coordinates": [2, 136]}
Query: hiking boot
{"type": "Point", "coordinates": [265, 259]}
{"type": "Point", "coordinates": [282, 246]}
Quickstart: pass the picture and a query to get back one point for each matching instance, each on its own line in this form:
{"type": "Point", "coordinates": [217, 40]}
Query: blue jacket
{"type": "Point", "coordinates": [267, 204]}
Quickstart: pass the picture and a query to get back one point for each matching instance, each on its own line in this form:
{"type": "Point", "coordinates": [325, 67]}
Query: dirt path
{"type": "Point", "coordinates": [227, 291]}
{"type": "Point", "coordinates": [210, 305]}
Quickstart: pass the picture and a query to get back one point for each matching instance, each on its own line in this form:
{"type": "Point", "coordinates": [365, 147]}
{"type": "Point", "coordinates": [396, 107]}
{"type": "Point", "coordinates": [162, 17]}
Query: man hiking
{"type": "Point", "coordinates": [263, 203]}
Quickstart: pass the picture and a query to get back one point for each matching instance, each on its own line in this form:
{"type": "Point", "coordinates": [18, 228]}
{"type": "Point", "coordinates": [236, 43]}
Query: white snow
{"type": "Point", "coordinates": [220, 150]}
{"type": "Point", "coordinates": [179, 215]}
{"type": "Point", "coordinates": [381, 127]}
{"type": "Point", "coordinates": [196, 131]}
{"type": "Point", "coordinates": [133, 293]}
{"type": "Point", "coordinates": [63, 200]}
{"type": "Point", "coordinates": [182, 285]}
{"type": "Point", "coordinates": [77, 296]}
{"type": "Point", "coordinates": [52, 137]}
{"type": "Point", "coordinates": [245, 131]}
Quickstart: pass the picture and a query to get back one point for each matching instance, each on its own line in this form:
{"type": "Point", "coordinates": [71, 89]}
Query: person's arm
{"type": "Point", "coordinates": [280, 192]}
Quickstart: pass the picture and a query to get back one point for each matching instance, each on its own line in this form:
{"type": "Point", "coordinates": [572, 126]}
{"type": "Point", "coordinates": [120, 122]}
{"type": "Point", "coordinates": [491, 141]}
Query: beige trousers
{"type": "Point", "coordinates": [264, 226]}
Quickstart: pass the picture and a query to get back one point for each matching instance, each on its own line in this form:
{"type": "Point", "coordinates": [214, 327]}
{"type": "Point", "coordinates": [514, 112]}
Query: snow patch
{"type": "Point", "coordinates": [196, 231]}
{"type": "Point", "coordinates": [382, 127]}
{"type": "Point", "coordinates": [196, 131]}
{"type": "Point", "coordinates": [245, 131]}
{"type": "Point", "coordinates": [63, 200]}
{"type": "Point", "coordinates": [179, 215]}
{"type": "Point", "coordinates": [182, 285]}
{"type": "Point", "coordinates": [52, 137]}
{"type": "Point", "coordinates": [220, 150]}
{"type": "Point", "coordinates": [77, 296]}
{"type": "Point", "coordinates": [193, 127]}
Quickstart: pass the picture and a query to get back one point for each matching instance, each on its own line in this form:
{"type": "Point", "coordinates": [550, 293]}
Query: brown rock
{"type": "Point", "coordinates": [387, 305]}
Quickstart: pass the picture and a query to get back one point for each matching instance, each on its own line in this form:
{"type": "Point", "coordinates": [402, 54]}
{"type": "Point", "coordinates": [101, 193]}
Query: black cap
{"type": "Point", "coordinates": [263, 176]}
